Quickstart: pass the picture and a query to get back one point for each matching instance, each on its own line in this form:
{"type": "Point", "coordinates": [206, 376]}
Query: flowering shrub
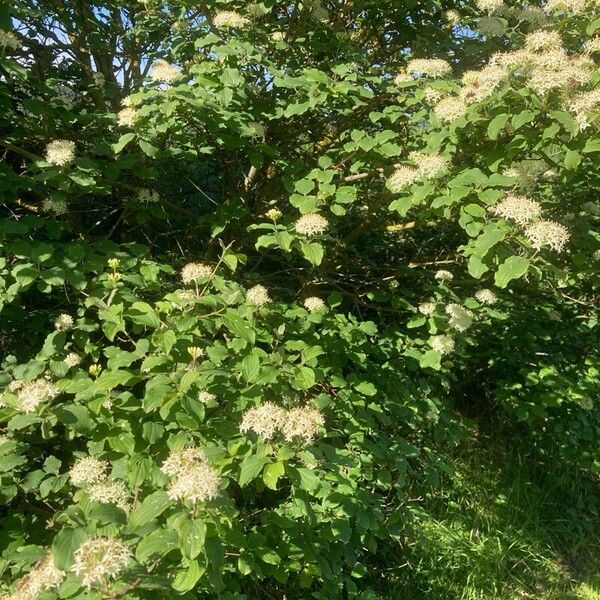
{"type": "Point", "coordinates": [258, 263]}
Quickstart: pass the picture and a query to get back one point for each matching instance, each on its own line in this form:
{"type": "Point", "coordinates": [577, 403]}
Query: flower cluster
{"type": "Point", "coordinates": [110, 492]}
{"type": "Point", "coordinates": [547, 233]}
{"type": "Point", "coordinates": [443, 275]}
{"type": "Point", "coordinates": [72, 359]}
{"type": "Point", "coordinates": [264, 420]}
{"type": "Point", "coordinates": [149, 196]}
{"type": "Point", "coordinates": [99, 559]}
{"type": "Point", "coordinates": [584, 105]}
{"type": "Point", "coordinates": [311, 224]}
{"type": "Point", "coordinates": [489, 6]}
{"type": "Point", "coordinates": [193, 479]}
{"type": "Point", "coordinates": [193, 272]}
{"type": "Point", "coordinates": [267, 419]}
{"type": "Point", "coordinates": [258, 295]}
{"type": "Point", "coordinates": [449, 109]}
{"type": "Point", "coordinates": [460, 318]}
{"type": "Point", "coordinates": [230, 18]}
{"type": "Point", "coordinates": [60, 152]}
{"type": "Point", "coordinates": [44, 576]}
{"type": "Point", "coordinates": [274, 214]}
{"type": "Point", "coordinates": [428, 166]}
{"type": "Point", "coordinates": [519, 209]}
{"type": "Point", "coordinates": [164, 72]}
{"type": "Point", "coordinates": [9, 40]}
{"type": "Point", "coordinates": [314, 304]}
{"type": "Point", "coordinates": [64, 322]}
{"type": "Point", "coordinates": [58, 207]}
{"type": "Point", "coordinates": [302, 422]}
{"type": "Point", "coordinates": [204, 396]}
{"type": "Point", "coordinates": [443, 344]}
{"type": "Point", "coordinates": [32, 393]}
{"type": "Point", "coordinates": [427, 308]}
{"type": "Point", "coordinates": [127, 117]}
{"type": "Point", "coordinates": [88, 470]}
{"type": "Point", "coordinates": [486, 296]}
{"type": "Point", "coordinates": [432, 67]}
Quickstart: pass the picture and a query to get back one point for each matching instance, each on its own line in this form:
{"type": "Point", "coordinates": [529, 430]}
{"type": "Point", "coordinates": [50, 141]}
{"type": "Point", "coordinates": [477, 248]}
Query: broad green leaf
{"type": "Point", "coordinates": [251, 467]}
{"type": "Point", "coordinates": [513, 267]}
{"type": "Point", "coordinates": [250, 368]}
{"type": "Point", "coordinates": [64, 545]}
{"type": "Point", "coordinates": [192, 534]}
{"type": "Point", "coordinates": [271, 474]}
{"type": "Point", "coordinates": [157, 543]}
{"type": "Point", "coordinates": [152, 506]}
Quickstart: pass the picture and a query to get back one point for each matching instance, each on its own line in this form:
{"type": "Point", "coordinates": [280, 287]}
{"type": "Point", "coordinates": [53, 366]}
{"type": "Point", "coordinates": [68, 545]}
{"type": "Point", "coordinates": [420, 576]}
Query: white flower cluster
{"type": "Point", "coordinates": [32, 393]}
{"type": "Point", "coordinates": [427, 308]}
{"type": "Point", "coordinates": [64, 322]}
{"type": "Point", "coordinates": [267, 419]}
{"type": "Point", "coordinates": [60, 152]}
{"type": "Point", "coordinates": [428, 166]}
{"type": "Point", "coordinates": [230, 18]}
{"type": "Point", "coordinates": [314, 304]}
{"type": "Point", "coordinates": [486, 296]}
{"type": "Point", "coordinates": [110, 492]}
{"type": "Point", "coordinates": [443, 275]}
{"type": "Point", "coordinates": [431, 67]}
{"type": "Point", "coordinates": [9, 40]}
{"type": "Point", "coordinates": [311, 224]}
{"type": "Point", "coordinates": [57, 207]}
{"type": "Point", "coordinates": [127, 117]}
{"type": "Point", "coordinates": [72, 359]}
{"type": "Point", "coordinates": [44, 576]}
{"type": "Point", "coordinates": [193, 272]}
{"type": "Point", "coordinates": [547, 233]}
{"type": "Point", "coordinates": [490, 6]}
{"type": "Point", "coordinates": [526, 173]}
{"type": "Point", "coordinates": [585, 107]}
{"type": "Point", "coordinates": [88, 470]}
{"type": "Point", "coordinates": [99, 559]}
{"type": "Point", "coordinates": [443, 344]}
{"type": "Point", "coordinates": [519, 209]}
{"type": "Point", "coordinates": [460, 318]}
{"type": "Point", "coordinates": [258, 296]}
{"type": "Point", "coordinates": [148, 196]}
{"type": "Point", "coordinates": [193, 479]}
{"type": "Point", "coordinates": [164, 72]}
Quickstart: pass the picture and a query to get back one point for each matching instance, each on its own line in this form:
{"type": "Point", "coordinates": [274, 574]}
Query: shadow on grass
{"type": "Point", "coordinates": [505, 527]}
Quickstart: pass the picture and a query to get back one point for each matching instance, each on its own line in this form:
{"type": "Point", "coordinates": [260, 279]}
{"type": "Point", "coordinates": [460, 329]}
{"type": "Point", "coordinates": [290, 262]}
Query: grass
{"type": "Point", "coordinates": [506, 527]}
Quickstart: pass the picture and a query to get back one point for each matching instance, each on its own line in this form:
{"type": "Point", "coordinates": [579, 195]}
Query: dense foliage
{"type": "Point", "coordinates": [263, 264]}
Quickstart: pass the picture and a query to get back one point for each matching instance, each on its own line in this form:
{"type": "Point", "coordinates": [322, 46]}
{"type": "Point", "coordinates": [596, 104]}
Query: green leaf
{"type": "Point", "coordinates": [268, 555]}
{"type": "Point", "coordinates": [250, 368]}
{"type": "Point", "coordinates": [158, 543]}
{"type": "Point", "coordinates": [431, 359]}
{"type": "Point", "coordinates": [123, 141]}
{"type": "Point", "coordinates": [238, 326]}
{"type": "Point", "coordinates": [572, 160]}
{"type": "Point", "coordinates": [143, 314]}
{"type": "Point", "coordinates": [512, 268]}
{"type": "Point", "coordinates": [523, 117]}
{"type": "Point", "coordinates": [271, 474]}
{"type": "Point", "coordinates": [313, 252]}
{"type": "Point", "coordinates": [192, 535]}
{"type": "Point", "coordinates": [186, 579]}
{"type": "Point", "coordinates": [152, 506]}
{"type": "Point", "coordinates": [148, 148]}
{"type": "Point", "coordinates": [497, 125]}
{"type": "Point", "coordinates": [304, 378]}
{"type": "Point", "coordinates": [65, 544]}
{"type": "Point", "coordinates": [251, 467]}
